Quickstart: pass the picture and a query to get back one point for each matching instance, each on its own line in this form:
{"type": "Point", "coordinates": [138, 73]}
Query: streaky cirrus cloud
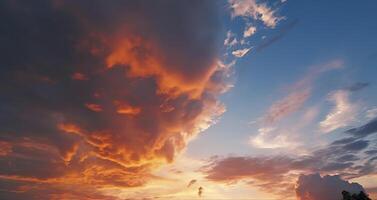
{"type": "Point", "coordinates": [104, 91]}
{"type": "Point", "coordinates": [314, 186]}
{"type": "Point", "coordinates": [357, 86]}
{"type": "Point", "coordinates": [270, 134]}
{"type": "Point", "coordinates": [282, 32]}
{"type": "Point", "coordinates": [343, 113]}
{"type": "Point", "coordinates": [367, 129]}
{"type": "Point", "coordinates": [298, 93]}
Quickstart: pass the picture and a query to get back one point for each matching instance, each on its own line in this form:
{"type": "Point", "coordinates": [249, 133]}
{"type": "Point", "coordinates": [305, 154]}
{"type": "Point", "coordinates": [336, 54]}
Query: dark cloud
{"type": "Point", "coordinates": [371, 152]}
{"type": "Point", "coordinates": [356, 146]}
{"type": "Point", "coordinates": [313, 186]}
{"type": "Point", "coordinates": [344, 141]}
{"type": "Point", "coordinates": [192, 182]}
{"type": "Point", "coordinates": [277, 174]}
{"type": "Point", "coordinates": [357, 86]}
{"type": "Point", "coordinates": [365, 130]}
{"type": "Point", "coordinates": [98, 94]}
{"type": "Point", "coordinates": [348, 157]}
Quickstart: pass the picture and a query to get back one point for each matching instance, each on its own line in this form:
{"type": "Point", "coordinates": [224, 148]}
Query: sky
{"type": "Point", "coordinates": [191, 99]}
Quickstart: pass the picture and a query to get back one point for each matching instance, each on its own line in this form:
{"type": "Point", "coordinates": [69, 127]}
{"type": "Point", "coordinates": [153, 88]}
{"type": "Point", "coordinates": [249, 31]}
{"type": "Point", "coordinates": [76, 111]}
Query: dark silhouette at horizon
{"type": "Point", "coordinates": [361, 196]}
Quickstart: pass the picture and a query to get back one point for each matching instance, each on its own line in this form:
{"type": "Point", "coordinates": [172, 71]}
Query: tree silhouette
{"type": "Point", "coordinates": [360, 196]}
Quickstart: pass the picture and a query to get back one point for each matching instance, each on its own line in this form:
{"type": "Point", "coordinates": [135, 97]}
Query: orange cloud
{"type": "Point", "coordinates": [5, 148]}
{"type": "Point", "coordinates": [124, 108]}
{"type": "Point", "coordinates": [94, 107]}
{"type": "Point", "coordinates": [152, 88]}
{"type": "Point", "coordinates": [79, 76]}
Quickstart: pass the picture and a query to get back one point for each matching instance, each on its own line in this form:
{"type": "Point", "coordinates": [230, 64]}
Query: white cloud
{"type": "Point", "coordinates": [267, 139]}
{"type": "Point", "coordinates": [249, 31]}
{"type": "Point", "coordinates": [257, 11]}
{"type": "Point", "coordinates": [241, 52]}
{"type": "Point", "coordinates": [371, 113]}
{"type": "Point", "coordinates": [343, 113]}
{"type": "Point", "coordinates": [230, 39]}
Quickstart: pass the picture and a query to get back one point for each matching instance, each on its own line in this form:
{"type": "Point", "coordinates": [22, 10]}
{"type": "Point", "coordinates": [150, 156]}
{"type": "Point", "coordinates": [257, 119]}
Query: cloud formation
{"type": "Point", "coordinates": [104, 91]}
{"type": "Point", "coordinates": [257, 11]}
{"type": "Point", "coordinates": [270, 133]}
{"type": "Point", "coordinates": [278, 173]}
{"type": "Point", "coordinates": [343, 113]}
{"type": "Point", "coordinates": [357, 86]}
{"type": "Point", "coordinates": [240, 52]}
{"type": "Point", "coordinates": [313, 187]}
{"type": "Point", "coordinates": [365, 130]}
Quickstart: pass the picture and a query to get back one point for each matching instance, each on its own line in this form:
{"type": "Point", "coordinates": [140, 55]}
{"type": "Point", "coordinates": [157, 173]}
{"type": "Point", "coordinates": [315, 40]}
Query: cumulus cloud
{"type": "Point", "coordinates": [241, 52]}
{"type": "Point", "coordinates": [343, 113]}
{"type": "Point", "coordinates": [313, 187]}
{"type": "Point", "coordinates": [257, 11]}
{"type": "Point", "coordinates": [113, 89]}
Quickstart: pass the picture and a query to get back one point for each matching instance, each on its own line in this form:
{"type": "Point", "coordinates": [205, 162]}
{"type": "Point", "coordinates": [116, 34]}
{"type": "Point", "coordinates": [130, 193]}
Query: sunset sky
{"type": "Point", "coordinates": [187, 99]}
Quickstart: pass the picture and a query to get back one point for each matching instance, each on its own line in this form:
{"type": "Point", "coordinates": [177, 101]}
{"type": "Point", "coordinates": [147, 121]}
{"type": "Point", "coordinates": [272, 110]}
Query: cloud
{"type": "Point", "coordinates": [241, 52]}
{"type": "Point", "coordinates": [277, 173]}
{"type": "Point", "coordinates": [313, 187]}
{"type": "Point", "coordinates": [364, 130]}
{"type": "Point", "coordinates": [230, 39]}
{"type": "Point", "coordinates": [257, 11]}
{"type": "Point", "coordinates": [192, 182]}
{"type": "Point", "coordinates": [281, 33]}
{"type": "Point", "coordinates": [298, 94]}
{"type": "Point", "coordinates": [270, 134]}
{"type": "Point", "coordinates": [371, 113]}
{"type": "Point", "coordinates": [356, 146]}
{"type": "Point", "coordinates": [286, 106]}
{"type": "Point", "coordinates": [357, 86]}
{"type": "Point", "coordinates": [113, 89]}
{"type": "Point", "coordinates": [249, 31]}
{"type": "Point", "coordinates": [268, 173]}
{"type": "Point", "coordinates": [275, 137]}
{"type": "Point", "coordinates": [342, 115]}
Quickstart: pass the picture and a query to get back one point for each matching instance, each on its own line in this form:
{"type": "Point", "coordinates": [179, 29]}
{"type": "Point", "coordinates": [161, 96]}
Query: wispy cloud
{"type": "Point", "coordinates": [343, 113]}
{"type": "Point", "coordinates": [230, 39]}
{"type": "Point", "coordinates": [281, 33]}
{"type": "Point", "coordinates": [287, 105]}
{"type": "Point", "coordinates": [365, 130]}
{"type": "Point", "coordinates": [270, 134]}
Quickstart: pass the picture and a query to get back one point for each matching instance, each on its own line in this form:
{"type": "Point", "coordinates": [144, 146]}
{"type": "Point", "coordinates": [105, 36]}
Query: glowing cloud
{"type": "Point", "coordinates": [342, 114]}
{"type": "Point", "coordinates": [123, 91]}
